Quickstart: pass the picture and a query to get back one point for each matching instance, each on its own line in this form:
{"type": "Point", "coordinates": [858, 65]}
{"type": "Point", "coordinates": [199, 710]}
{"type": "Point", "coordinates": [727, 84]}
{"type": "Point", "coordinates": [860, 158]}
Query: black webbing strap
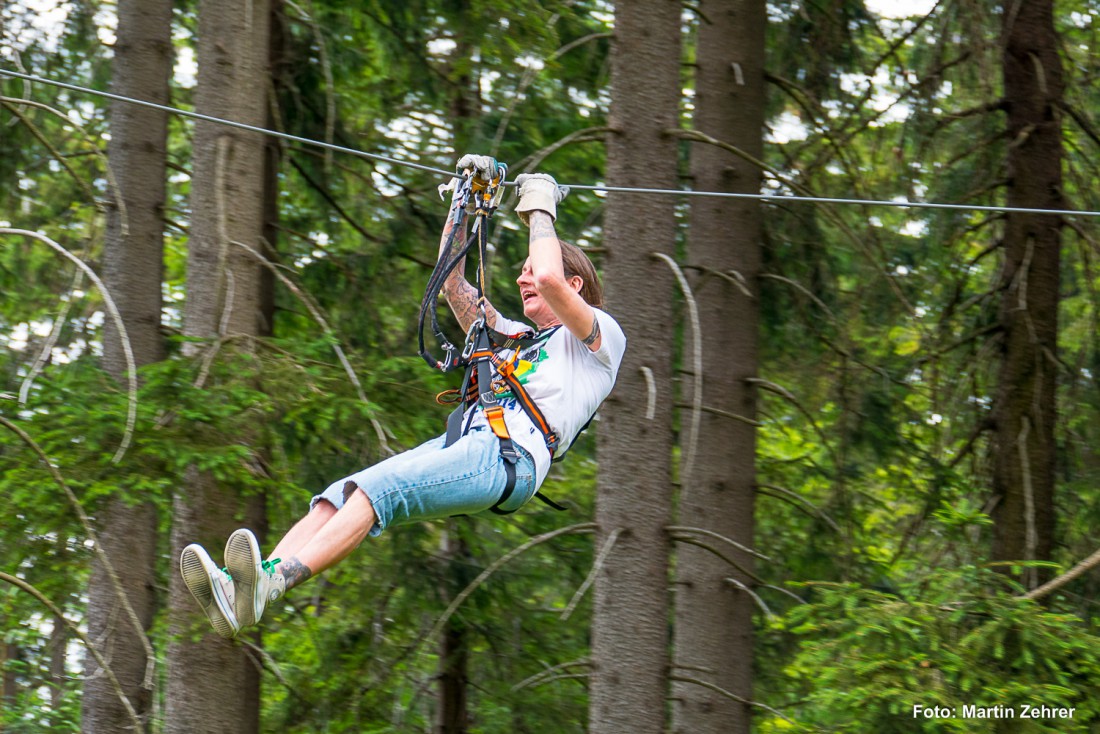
{"type": "Point", "coordinates": [509, 487]}
{"type": "Point", "coordinates": [481, 364]}
{"type": "Point", "coordinates": [552, 503]}
{"type": "Point", "coordinates": [443, 268]}
{"type": "Point", "coordinates": [500, 340]}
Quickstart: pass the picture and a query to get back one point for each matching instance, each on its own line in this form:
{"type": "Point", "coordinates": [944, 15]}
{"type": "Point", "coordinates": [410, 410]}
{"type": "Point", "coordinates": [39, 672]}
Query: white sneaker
{"type": "Point", "coordinates": [212, 587]}
{"type": "Point", "coordinates": [255, 579]}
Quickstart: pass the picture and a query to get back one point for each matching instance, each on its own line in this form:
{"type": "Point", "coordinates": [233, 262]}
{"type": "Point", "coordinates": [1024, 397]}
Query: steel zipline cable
{"type": "Point", "coordinates": [767, 198]}
{"type": "Point", "coordinates": [220, 121]}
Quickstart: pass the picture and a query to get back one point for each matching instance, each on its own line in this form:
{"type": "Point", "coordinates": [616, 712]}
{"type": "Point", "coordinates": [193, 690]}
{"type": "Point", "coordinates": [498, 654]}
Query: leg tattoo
{"type": "Point", "coordinates": [294, 571]}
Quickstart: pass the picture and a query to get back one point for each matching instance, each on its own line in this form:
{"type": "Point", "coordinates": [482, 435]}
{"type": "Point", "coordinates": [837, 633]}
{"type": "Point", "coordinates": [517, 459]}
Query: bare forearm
{"type": "Point", "coordinates": [544, 249]}
{"type": "Point", "coordinates": [562, 295]}
{"type": "Point", "coordinates": [461, 296]}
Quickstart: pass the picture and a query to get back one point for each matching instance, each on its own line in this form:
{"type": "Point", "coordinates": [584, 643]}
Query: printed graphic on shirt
{"type": "Point", "coordinates": [526, 365]}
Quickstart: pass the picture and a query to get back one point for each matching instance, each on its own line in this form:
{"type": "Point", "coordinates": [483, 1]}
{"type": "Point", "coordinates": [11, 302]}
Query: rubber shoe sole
{"type": "Point", "coordinates": [243, 560]}
{"type": "Point", "coordinates": [202, 578]}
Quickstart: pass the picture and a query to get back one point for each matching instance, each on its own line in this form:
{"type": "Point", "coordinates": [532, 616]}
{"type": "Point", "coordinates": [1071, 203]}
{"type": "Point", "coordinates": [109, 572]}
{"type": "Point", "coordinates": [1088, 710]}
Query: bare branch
{"type": "Point", "coordinates": [755, 597]}
{"type": "Point", "coordinates": [772, 387]}
{"type": "Point", "coordinates": [651, 391]}
{"type": "Point", "coordinates": [720, 554]}
{"type": "Point", "coordinates": [1082, 121]}
{"type": "Point", "coordinates": [1057, 583]}
{"type": "Point", "coordinates": [51, 340]}
{"type": "Point", "coordinates": [723, 414]}
{"type": "Point", "coordinates": [548, 674]}
{"type": "Point", "coordinates": [731, 276]}
{"type": "Point", "coordinates": [1032, 535]}
{"type": "Point", "coordinates": [794, 495]}
{"type": "Point", "coordinates": [596, 566]}
{"type": "Point", "coordinates": [75, 629]}
{"type": "Point", "coordinates": [265, 661]}
{"type": "Point", "coordinates": [11, 105]}
{"type": "Point", "coordinates": [781, 590]}
{"type": "Point", "coordinates": [328, 197]}
{"type": "Point", "coordinates": [584, 527]}
{"type": "Point", "coordinates": [315, 311]}
{"type": "Point", "coordinates": [728, 694]}
{"type": "Point", "coordinates": [563, 676]}
{"type": "Point", "coordinates": [688, 461]}
{"type": "Point", "coordinates": [717, 536]}
{"type": "Point", "coordinates": [701, 137]}
{"type": "Point", "coordinates": [119, 200]}
{"type": "Point", "coordinates": [961, 341]}
{"type": "Point", "coordinates": [584, 135]}
{"type": "Point", "coordinates": [124, 600]}
{"type": "Point", "coordinates": [131, 368]}
{"type": "Point", "coordinates": [803, 289]}
{"type": "Point", "coordinates": [983, 109]}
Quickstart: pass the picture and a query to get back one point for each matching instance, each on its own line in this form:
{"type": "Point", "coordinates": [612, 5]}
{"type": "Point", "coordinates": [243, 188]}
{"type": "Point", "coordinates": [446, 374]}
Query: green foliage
{"type": "Point", "coordinates": [960, 638]}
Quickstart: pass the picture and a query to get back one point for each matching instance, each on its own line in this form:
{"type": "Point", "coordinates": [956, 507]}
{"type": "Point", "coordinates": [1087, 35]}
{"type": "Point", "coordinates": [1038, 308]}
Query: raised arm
{"type": "Point", "coordinates": [460, 294]}
{"type": "Point", "coordinates": [560, 293]}
{"type": "Point", "coordinates": [537, 208]}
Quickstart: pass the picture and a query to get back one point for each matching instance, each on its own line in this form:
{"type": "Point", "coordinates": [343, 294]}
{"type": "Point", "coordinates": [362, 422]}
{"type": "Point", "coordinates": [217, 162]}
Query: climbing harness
{"type": "Point", "coordinates": [483, 346]}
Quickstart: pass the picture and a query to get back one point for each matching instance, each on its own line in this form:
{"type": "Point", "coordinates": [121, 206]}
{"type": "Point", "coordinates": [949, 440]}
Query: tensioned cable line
{"type": "Point", "coordinates": [221, 121]}
{"type": "Point", "coordinates": [767, 198]}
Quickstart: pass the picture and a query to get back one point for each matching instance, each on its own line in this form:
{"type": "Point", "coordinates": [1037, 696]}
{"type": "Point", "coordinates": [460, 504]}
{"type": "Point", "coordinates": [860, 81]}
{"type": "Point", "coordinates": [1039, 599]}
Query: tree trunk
{"type": "Point", "coordinates": [132, 272]}
{"type": "Point", "coordinates": [213, 684]}
{"type": "Point", "coordinates": [713, 617]}
{"type": "Point", "coordinates": [9, 681]}
{"type": "Point", "coordinates": [58, 654]}
{"type": "Point", "coordinates": [452, 713]}
{"type": "Point", "coordinates": [629, 686]}
{"type": "Point", "coordinates": [1024, 409]}
{"type": "Point", "coordinates": [278, 67]}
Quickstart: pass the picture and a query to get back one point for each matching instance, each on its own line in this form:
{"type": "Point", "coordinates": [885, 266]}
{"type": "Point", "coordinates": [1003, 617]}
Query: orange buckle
{"type": "Point", "coordinates": [505, 369]}
{"type": "Point", "coordinates": [495, 416]}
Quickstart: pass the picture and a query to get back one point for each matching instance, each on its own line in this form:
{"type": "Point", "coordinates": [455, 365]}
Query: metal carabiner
{"type": "Point", "coordinates": [448, 362]}
{"type": "Point", "coordinates": [468, 347]}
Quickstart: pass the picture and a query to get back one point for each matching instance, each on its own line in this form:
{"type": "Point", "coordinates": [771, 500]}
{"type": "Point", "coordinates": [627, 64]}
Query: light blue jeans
{"type": "Point", "coordinates": [431, 481]}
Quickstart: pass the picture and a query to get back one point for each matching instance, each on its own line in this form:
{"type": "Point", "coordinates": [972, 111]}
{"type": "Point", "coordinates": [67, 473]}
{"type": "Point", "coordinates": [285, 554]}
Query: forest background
{"type": "Point", "coordinates": [850, 459]}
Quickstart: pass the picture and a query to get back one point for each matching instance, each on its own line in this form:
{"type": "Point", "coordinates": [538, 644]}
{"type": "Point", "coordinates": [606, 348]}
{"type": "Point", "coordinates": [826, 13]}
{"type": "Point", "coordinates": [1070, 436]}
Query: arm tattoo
{"type": "Point", "coordinates": [294, 571]}
{"type": "Point", "coordinates": [463, 303]}
{"type": "Point", "coordinates": [595, 333]}
{"type": "Point", "coordinates": [542, 226]}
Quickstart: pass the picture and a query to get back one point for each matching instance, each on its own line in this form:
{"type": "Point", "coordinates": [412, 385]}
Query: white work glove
{"type": "Point", "coordinates": [482, 168]}
{"type": "Point", "coordinates": [538, 192]}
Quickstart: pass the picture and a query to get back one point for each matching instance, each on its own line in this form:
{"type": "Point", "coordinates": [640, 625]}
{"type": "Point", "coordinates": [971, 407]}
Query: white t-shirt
{"type": "Point", "coordinates": [565, 379]}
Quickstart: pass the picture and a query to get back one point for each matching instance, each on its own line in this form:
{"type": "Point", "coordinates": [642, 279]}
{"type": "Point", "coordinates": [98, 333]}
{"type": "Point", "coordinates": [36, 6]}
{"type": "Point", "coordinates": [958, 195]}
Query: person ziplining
{"type": "Point", "coordinates": [526, 394]}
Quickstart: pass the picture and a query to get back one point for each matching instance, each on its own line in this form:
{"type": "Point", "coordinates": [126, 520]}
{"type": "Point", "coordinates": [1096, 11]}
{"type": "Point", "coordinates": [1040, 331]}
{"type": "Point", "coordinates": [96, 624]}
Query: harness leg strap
{"type": "Point", "coordinates": [550, 502]}
{"type": "Point", "coordinates": [454, 425]}
{"type": "Point", "coordinates": [509, 487]}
